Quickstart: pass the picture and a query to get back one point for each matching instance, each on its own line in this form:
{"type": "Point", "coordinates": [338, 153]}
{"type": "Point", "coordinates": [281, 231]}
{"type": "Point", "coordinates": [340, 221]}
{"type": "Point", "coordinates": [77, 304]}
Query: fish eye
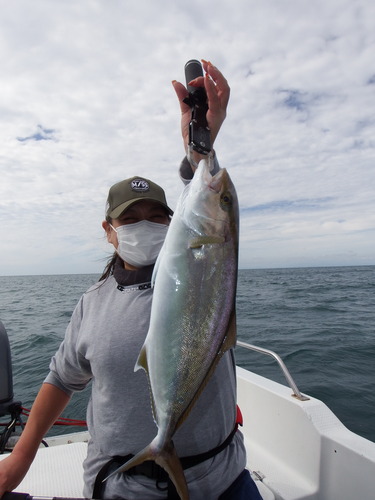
{"type": "Point", "coordinates": [226, 199]}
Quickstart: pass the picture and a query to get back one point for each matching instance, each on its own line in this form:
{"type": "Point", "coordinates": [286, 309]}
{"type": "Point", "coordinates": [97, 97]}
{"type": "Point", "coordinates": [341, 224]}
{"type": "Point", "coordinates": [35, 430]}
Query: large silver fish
{"type": "Point", "coordinates": [192, 319]}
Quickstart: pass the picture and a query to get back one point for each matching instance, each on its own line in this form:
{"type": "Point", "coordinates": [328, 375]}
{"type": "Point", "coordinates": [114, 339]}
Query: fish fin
{"type": "Point", "coordinates": [142, 360]}
{"type": "Point", "coordinates": [167, 458]}
{"type": "Point", "coordinates": [228, 343]}
{"type": "Point", "coordinates": [231, 335]}
{"type": "Point", "coordinates": [141, 457]}
{"type": "Point", "coordinates": [186, 413]}
{"type": "Point", "coordinates": [199, 241]}
{"type": "Point", "coordinates": [143, 364]}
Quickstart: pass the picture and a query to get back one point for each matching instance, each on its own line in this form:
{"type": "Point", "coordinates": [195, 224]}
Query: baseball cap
{"type": "Point", "coordinates": [126, 193]}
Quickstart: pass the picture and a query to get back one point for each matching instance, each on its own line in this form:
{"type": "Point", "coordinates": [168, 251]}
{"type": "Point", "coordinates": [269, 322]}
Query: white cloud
{"type": "Point", "coordinates": [88, 84]}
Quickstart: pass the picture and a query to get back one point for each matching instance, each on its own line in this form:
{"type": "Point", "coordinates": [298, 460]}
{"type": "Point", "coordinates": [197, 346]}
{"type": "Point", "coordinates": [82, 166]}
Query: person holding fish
{"type": "Point", "coordinates": [174, 319]}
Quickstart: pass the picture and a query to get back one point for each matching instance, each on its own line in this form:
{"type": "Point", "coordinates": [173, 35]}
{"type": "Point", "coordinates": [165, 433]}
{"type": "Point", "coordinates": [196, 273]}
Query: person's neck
{"type": "Point", "coordinates": [127, 277]}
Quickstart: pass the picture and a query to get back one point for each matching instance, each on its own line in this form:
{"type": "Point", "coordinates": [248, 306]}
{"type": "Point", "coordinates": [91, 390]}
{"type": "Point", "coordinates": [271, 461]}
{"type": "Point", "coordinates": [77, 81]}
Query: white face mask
{"type": "Point", "coordinates": [139, 244]}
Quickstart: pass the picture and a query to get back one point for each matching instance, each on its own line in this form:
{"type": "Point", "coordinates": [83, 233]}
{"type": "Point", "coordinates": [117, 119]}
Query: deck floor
{"type": "Point", "coordinates": [56, 472]}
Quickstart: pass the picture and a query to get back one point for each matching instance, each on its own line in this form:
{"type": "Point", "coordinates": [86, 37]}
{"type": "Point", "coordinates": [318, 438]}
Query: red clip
{"type": "Point", "coordinates": [239, 418]}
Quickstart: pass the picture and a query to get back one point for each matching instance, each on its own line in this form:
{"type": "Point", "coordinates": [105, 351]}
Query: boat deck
{"type": "Point", "coordinates": [57, 471]}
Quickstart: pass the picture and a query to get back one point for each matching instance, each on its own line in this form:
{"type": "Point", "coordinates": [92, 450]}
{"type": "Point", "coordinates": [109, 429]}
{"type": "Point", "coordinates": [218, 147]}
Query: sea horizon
{"type": "Point", "coordinates": [322, 266]}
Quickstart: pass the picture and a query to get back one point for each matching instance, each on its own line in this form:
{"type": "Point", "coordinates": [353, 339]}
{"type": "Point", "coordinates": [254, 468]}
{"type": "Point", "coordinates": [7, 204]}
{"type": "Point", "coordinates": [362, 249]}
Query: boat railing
{"type": "Point", "coordinates": [296, 393]}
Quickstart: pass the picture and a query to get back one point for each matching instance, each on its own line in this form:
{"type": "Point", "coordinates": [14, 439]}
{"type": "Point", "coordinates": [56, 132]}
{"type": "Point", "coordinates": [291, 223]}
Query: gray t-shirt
{"type": "Point", "coordinates": [101, 345]}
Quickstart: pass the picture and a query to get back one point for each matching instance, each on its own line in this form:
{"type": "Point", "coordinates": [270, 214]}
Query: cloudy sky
{"type": "Point", "coordinates": [86, 100]}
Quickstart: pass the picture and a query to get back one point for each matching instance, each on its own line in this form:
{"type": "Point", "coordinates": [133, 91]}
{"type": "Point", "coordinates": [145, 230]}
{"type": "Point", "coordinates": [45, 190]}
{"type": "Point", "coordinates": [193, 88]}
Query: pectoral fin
{"type": "Point", "coordinates": [199, 241]}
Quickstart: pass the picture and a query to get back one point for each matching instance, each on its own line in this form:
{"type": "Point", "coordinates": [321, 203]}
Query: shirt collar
{"type": "Point", "coordinates": [126, 277]}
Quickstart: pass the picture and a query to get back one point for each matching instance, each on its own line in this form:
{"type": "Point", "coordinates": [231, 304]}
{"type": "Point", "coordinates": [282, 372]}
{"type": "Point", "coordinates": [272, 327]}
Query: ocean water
{"type": "Point", "coordinates": [321, 321]}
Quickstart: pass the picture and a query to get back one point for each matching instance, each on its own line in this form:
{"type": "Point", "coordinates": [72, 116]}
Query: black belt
{"type": "Point", "coordinates": [152, 470]}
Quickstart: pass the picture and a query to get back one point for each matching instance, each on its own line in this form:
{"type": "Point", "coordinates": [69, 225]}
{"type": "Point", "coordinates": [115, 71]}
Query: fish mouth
{"type": "Point", "coordinates": [217, 181]}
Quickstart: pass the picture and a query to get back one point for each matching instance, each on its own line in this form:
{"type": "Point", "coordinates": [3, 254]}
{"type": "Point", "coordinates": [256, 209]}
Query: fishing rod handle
{"type": "Point", "coordinates": [193, 69]}
{"type": "Point", "coordinates": [199, 132]}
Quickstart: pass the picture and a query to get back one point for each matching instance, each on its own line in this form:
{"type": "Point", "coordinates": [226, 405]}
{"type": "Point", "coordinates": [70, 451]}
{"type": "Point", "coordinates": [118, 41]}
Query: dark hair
{"type": "Point", "coordinates": [108, 270]}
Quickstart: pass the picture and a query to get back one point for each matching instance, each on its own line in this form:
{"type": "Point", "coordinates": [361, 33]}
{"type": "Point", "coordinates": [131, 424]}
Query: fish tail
{"type": "Point", "coordinates": [167, 458]}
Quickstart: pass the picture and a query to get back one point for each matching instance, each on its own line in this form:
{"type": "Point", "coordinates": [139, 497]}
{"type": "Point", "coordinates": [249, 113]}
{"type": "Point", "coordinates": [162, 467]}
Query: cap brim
{"type": "Point", "coordinates": [115, 214]}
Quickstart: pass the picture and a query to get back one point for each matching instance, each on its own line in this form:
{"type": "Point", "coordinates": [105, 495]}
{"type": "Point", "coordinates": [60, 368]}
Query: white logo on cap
{"type": "Point", "coordinates": [139, 185]}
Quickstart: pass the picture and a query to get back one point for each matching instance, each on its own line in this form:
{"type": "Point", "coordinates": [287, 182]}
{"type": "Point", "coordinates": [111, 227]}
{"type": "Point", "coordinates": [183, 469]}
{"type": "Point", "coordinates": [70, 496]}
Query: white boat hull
{"type": "Point", "coordinates": [300, 448]}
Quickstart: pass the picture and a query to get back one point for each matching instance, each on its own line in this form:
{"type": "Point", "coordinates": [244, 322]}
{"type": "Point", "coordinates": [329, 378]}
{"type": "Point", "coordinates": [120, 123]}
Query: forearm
{"type": "Point", "coordinates": [47, 407]}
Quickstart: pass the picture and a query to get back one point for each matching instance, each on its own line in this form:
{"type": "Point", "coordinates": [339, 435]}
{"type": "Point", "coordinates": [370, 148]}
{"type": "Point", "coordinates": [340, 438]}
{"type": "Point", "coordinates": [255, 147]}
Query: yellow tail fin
{"type": "Point", "coordinates": [167, 458]}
